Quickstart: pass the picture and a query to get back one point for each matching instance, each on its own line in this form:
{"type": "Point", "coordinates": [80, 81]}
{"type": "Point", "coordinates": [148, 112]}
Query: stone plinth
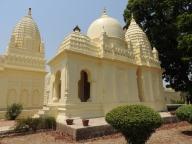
{"type": "Point", "coordinates": [98, 127]}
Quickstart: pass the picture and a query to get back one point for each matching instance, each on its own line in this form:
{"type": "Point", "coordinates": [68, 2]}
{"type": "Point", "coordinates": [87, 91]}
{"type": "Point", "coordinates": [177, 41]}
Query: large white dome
{"type": "Point", "coordinates": [112, 27]}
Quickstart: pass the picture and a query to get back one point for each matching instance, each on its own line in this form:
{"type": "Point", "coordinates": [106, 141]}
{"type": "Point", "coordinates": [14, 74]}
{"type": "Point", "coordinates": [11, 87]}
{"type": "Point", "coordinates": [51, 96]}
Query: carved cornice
{"type": "Point", "coordinates": [17, 59]}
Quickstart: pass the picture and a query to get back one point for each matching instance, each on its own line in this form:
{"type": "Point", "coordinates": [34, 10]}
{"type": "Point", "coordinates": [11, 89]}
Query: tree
{"type": "Point", "coordinates": [168, 25]}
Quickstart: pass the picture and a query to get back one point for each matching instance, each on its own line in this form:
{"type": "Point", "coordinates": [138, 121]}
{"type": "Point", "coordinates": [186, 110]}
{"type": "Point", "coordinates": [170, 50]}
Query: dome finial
{"type": "Point", "coordinates": [104, 12]}
{"type": "Point", "coordinates": [132, 16]}
{"type": "Point", "coordinates": [133, 22]}
{"type": "Point", "coordinates": [29, 11]}
{"type": "Point", "coordinates": [77, 29]}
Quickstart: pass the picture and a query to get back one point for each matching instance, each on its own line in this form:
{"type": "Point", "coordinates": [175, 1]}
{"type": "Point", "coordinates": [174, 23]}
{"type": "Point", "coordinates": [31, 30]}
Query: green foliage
{"type": "Point", "coordinates": [33, 124]}
{"type": "Point", "coordinates": [168, 25]}
{"type": "Point", "coordinates": [185, 113]}
{"type": "Point", "coordinates": [13, 111]}
{"type": "Point", "coordinates": [49, 122]}
{"type": "Point", "coordinates": [135, 122]}
{"type": "Point", "coordinates": [178, 102]}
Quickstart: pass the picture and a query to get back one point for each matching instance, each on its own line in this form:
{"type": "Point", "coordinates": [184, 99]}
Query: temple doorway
{"type": "Point", "coordinates": [83, 87]}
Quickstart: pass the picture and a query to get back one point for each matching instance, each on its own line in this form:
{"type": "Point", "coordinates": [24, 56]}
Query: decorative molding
{"type": "Point", "coordinates": [18, 59]}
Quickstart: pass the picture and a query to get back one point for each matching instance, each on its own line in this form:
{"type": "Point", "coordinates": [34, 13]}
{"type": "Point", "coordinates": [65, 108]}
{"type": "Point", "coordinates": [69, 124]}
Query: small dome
{"type": "Point", "coordinates": [75, 40]}
{"type": "Point", "coordinates": [27, 34]}
{"type": "Point", "coordinates": [135, 33]}
{"type": "Point", "coordinates": [112, 27]}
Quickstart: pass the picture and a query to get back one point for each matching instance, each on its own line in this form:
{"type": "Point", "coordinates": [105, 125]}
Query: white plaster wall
{"type": "Point", "coordinates": [170, 95]}
{"type": "Point", "coordinates": [76, 65]}
{"type": "Point", "coordinates": [19, 81]}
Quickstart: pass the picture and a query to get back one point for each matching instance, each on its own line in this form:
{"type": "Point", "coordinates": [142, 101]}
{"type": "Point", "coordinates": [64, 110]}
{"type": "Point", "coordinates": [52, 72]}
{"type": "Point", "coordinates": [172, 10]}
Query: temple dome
{"type": "Point", "coordinates": [112, 27]}
{"type": "Point", "coordinates": [26, 33]}
{"type": "Point", "coordinates": [78, 42]}
{"type": "Point", "coordinates": [134, 34]}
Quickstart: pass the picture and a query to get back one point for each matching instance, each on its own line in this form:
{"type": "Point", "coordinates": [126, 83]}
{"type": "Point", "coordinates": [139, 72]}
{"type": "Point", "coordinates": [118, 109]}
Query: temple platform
{"type": "Point", "coordinates": [98, 127]}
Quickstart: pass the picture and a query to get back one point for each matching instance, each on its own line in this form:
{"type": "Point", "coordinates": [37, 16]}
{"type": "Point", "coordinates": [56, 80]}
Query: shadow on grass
{"type": "Point", "coordinates": [187, 132]}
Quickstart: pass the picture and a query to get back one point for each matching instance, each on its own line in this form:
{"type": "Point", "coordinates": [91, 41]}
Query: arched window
{"type": "Point", "coordinates": [12, 97]}
{"type": "Point", "coordinates": [24, 97]}
{"type": "Point", "coordinates": [83, 87]}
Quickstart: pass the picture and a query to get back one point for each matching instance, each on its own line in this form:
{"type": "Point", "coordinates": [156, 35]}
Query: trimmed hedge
{"type": "Point", "coordinates": [13, 111]}
{"type": "Point", "coordinates": [185, 113]}
{"type": "Point", "coordinates": [33, 124]}
{"type": "Point", "coordinates": [135, 122]}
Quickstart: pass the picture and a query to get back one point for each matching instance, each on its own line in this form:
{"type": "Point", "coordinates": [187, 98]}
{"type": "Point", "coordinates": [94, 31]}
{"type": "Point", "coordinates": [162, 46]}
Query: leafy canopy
{"type": "Point", "coordinates": [168, 25]}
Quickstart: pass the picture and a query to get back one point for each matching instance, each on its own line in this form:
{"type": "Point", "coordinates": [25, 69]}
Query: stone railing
{"type": "Point", "coordinates": [116, 53]}
{"type": "Point", "coordinates": [80, 43]}
{"type": "Point", "coordinates": [150, 61]}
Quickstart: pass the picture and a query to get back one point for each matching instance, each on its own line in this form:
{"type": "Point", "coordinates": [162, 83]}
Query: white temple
{"type": "Point", "coordinates": [89, 75]}
{"type": "Point", "coordinates": [94, 73]}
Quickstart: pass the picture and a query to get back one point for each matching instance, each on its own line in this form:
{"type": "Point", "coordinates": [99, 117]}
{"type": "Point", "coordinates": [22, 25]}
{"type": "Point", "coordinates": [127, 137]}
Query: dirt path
{"type": "Point", "coordinates": [6, 123]}
{"type": "Point", "coordinates": [180, 133]}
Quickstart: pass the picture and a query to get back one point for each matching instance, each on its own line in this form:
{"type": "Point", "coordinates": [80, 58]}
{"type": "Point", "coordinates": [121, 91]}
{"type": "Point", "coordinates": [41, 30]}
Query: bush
{"type": "Point", "coordinates": [13, 111]}
{"type": "Point", "coordinates": [178, 102]}
{"type": "Point", "coordinates": [49, 123]}
{"type": "Point", "coordinates": [33, 124]}
{"type": "Point", "coordinates": [185, 113]}
{"type": "Point", "coordinates": [135, 122]}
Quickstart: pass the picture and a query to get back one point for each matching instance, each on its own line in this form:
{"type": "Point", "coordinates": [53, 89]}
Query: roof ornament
{"type": "Point", "coordinates": [104, 13]}
{"type": "Point", "coordinates": [154, 49]}
{"type": "Point", "coordinates": [132, 20]}
{"type": "Point", "coordinates": [155, 53]}
{"type": "Point", "coordinates": [29, 12]}
{"type": "Point", "coordinates": [103, 31]}
{"type": "Point", "coordinates": [104, 10]}
{"type": "Point", "coordinates": [132, 16]}
{"type": "Point", "coordinates": [76, 29]}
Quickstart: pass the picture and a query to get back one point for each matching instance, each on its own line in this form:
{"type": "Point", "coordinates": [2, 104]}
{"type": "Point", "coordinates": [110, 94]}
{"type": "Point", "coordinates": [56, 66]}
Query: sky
{"type": "Point", "coordinates": [55, 18]}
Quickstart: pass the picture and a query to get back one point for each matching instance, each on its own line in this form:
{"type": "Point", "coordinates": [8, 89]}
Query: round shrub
{"type": "Point", "coordinates": [185, 113]}
{"type": "Point", "coordinates": [13, 111]}
{"type": "Point", "coordinates": [135, 122]}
